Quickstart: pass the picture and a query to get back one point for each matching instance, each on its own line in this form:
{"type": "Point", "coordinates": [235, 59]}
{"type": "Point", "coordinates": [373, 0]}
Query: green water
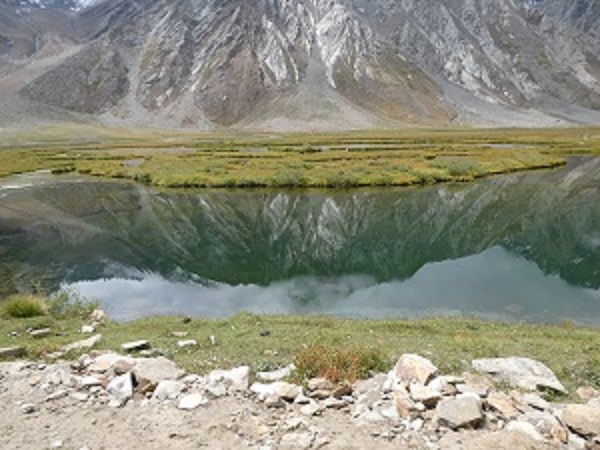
{"type": "Point", "coordinates": [518, 247]}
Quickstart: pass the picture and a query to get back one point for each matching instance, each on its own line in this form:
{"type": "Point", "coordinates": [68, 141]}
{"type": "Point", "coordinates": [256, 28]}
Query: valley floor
{"type": "Point", "coordinates": [352, 159]}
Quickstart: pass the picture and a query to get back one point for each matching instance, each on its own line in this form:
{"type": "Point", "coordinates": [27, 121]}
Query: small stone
{"type": "Point", "coordinates": [180, 334]}
{"type": "Point", "coordinates": [343, 390]}
{"type": "Point", "coordinates": [192, 401]}
{"type": "Point", "coordinates": [287, 391]}
{"type": "Point", "coordinates": [464, 411]}
{"type": "Point", "coordinates": [334, 403]}
{"type": "Point", "coordinates": [41, 333]}
{"type": "Point", "coordinates": [136, 346]}
{"type": "Point", "coordinates": [83, 344]}
{"type": "Point", "coordinates": [187, 343]}
{"type": "Point", "coordinates": [98, 316]}
{"type": "Point", "coordinates": [300, 440]}
{"type": "Point", "coordinates": [582, 419]}
{"type": "Point", "coordinates": [424, 394]}
{"type": "Point", "coordinates": [79, 396]}
{"type": "Point", "coordinates": [120, 389]}
{"type": "Point", "coordinates": [168, 390]}
{"type": "Point", "coordinates": [273, 401]}
{"type": "Point", "coordinates": [29, 408]}
{"type": "Point", "coordinates": [535, 401]}
{"type": "Point", "coordinates": [276, 375]}
{"type": "Point", "coordinates": [405, 406]}
{"type": "Point", "coordinates": [503, 404]}
{"type": "Point", "coordinates": [56, 444]}
{"type": "Point", "coordinates": [525, 428]}
{"type": "Point", "coordinates": [215, 390]}
{"type": "Point", "coordinates": [61, 393]}
{"type": "Point", "coordinates": [311, 409]}
{"type": "Point", "coordinates": [11, 352]}
{"type": "Point", "coordinates": [122, 366]}
{"type": "Point", "coordinates": [412, 368]}
{"type": "Point", "coordinates": [586, 393]}
{"type": "Point", "coordinates": [320, 384]}
{"type": "Point", "coordinates": [238, 379]}
{"type": "Point", "coordinates": [88, 329]}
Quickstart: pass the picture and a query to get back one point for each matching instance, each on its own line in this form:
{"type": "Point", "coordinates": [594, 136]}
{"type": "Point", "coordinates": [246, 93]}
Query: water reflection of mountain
{"type": "Point", "coordinates": [77, 230]}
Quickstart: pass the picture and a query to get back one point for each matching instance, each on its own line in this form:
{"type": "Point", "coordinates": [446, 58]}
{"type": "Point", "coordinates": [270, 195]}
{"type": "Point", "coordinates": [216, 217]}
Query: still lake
{"type": "Point", "coordinates": [522, 247]}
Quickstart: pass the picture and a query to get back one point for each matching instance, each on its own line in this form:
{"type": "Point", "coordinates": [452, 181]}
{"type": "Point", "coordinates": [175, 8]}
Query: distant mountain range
{"type": "Point", "coordinates": [301, 64]}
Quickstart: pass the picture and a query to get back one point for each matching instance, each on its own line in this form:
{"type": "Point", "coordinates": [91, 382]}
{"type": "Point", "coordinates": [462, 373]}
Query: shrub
{"type": "Point", "coordinates": [70, 304]}
{"type": "Point", "coordinates": [25, 306]}
{"type": "Point", "coordinates": [338, 364]}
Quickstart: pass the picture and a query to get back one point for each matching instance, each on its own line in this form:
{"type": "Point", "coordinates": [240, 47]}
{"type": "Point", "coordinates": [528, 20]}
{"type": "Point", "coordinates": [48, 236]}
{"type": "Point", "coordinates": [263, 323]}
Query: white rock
{"type": "Point", "coordinates": [187, 343]}
{"type": "Point", "coordinates": [156, 370]}
{"type": "Point", "coordinates": [192, 401]}
{"type": "Point", "coordinates": [424, 394]}
{"type": "Point", "coordinates": [238, 379]}
{"type": "Point", "coordinates": [535, 401]}
{"type": "Point", "coordinates": [79, 396]}
{"type": "Point", "coordinates": [29, 408]}
{"type": "Point", "coordinates": [215, 389]}
{"type": "Point", "coordinates": [276, 375]}
{"type": "Point", "coordinates": [412, 368]}
{"type": "Point", "coordinates": [120, 389]}
{"type": "Point", "coordinates": [168, 390]}
{"type": "Point", "coordinates": [463, 411]}
{"type": "Point", "coordinates": [136, 346]}
{"type": "Point", "coordinates": [83, 344]}
{"type": "Point", "coordinates": [334, 403]}
{"type": "Point", "coordinates": [523, 373]}
{"type": "Point", "coordinates": [90, 381]}
{"type": "Point", "coordinates": [583, 419]}
{"type": "Point", "coordinates": [525, 428]}
{"type": "Point", "coordinates": [312, 409]}
{"type": "Point", "coordinates": [88, 329]}
{"type": "Point", "coordinates": [105, 362]}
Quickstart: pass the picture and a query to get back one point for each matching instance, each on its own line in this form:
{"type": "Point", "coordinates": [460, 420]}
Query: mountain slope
{"type": "Point", "coordinates": [322, 63]}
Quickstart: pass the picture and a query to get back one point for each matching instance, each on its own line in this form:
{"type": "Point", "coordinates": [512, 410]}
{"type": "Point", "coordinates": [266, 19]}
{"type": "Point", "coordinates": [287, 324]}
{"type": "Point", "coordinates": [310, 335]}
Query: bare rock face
{"type": "Point", "coordinates": [250, 62]}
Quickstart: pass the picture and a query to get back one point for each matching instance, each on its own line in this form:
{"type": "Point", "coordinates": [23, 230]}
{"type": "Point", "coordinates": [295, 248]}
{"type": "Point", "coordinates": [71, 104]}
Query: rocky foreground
{"type": "Point", "coordinates": [105, 400]}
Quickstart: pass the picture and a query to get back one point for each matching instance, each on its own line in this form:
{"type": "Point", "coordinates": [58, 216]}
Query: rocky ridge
{"type": "Point", "coordinates": [309, 63]}
{"type": "Point", "coordinates": [413, 405]}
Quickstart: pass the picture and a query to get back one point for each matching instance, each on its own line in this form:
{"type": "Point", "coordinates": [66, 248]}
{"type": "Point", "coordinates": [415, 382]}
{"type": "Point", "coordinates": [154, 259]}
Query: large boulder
{"type": "Point", "coordinates": [523, 373]}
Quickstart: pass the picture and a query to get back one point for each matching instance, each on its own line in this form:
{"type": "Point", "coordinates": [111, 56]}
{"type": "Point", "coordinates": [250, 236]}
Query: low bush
{"type": "Point", "coordinates": [24, 306]}
{"type": "Point", "coordinates": [70, 304]}
{"type": "Point", "coordinates": [339, 364]}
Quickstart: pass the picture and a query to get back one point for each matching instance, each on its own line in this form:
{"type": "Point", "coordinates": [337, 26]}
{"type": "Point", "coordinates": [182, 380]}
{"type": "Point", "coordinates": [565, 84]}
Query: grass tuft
{"type": "Point", "coordinates": [24, 307]}
{"type": "Point", "coordinates": [339, 364]}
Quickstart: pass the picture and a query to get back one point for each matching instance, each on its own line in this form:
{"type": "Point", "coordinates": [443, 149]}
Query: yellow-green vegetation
{"type": "Point", "coordinates": [337, 348]}
{"type": "Point", "coordinates": [366, 158]}
{"type": "Point", "coordinates": [24, 306]}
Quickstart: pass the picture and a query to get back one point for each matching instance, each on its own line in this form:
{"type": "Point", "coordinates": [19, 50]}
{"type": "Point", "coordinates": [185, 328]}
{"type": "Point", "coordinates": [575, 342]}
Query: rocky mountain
{"type": "Point", "coordinates": [303, 64]}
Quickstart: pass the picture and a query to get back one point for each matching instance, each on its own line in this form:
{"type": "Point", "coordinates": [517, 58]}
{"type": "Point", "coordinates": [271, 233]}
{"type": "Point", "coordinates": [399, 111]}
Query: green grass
{"type": "Point", "coordinates": [24, 306]}
{"type": "Point", "coordinates": [572, 352]}
{"type": "Point", "coordinates": [351, 159]}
